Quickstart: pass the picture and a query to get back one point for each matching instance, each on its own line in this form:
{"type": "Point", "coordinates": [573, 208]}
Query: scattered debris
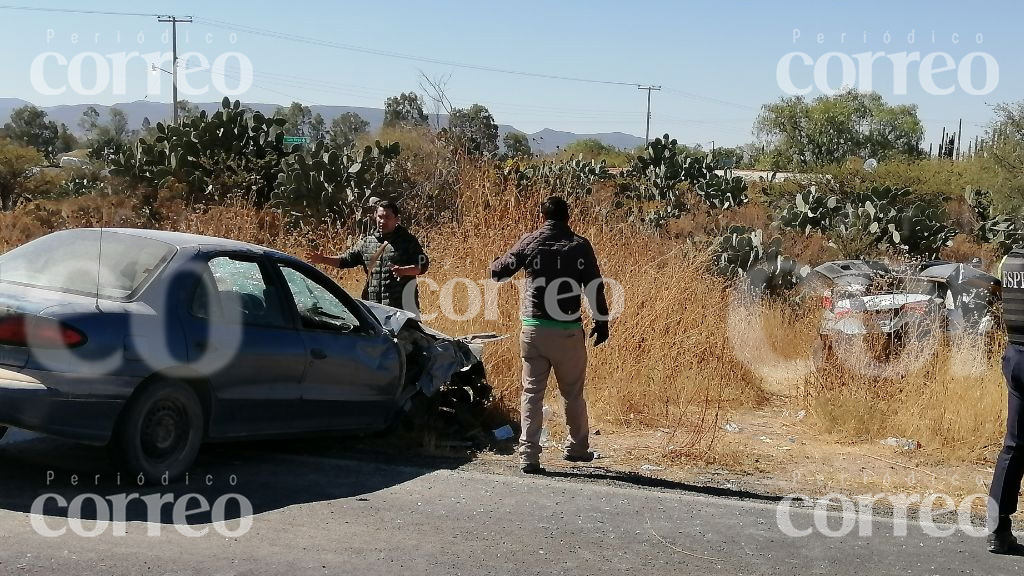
{"type": "Point", "coordinates": [596, 432]}
{"type": "Point", "coordinates": [791, 439]}
{"type": "Point", "coordinates": [650, 468]}
{"type": "Point", "coordinates": [800, 415]}
{"type": "Point", "coordinates": [504, 433]}
{"type": "Point", "coordinates": [731, 427]}
{"type": "Point", "coordinates": [766, 440]}
{"type": "Point", "coordinates": [904, 443]}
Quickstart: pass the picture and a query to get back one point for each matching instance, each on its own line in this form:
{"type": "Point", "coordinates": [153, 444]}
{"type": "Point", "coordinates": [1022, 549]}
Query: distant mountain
{"type": "Point", "coordinates": [547, 140]}
{"type": "Point", "coordinates": [7, 105]}
{"type": "Point", "coordinates": [550, 140]}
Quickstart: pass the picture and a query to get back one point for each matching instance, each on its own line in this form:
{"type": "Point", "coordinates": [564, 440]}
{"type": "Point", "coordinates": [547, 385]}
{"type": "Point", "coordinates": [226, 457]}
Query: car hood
{"type": "Point", "coordinates": [448, 354]}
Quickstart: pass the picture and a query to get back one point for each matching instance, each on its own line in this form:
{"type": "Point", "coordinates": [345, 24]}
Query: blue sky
{"type": "Point", "coordinates": [716, 61]}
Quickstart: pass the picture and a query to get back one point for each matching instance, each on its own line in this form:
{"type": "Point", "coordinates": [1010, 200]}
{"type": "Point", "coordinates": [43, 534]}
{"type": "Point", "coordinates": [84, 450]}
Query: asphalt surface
{"type": "Point", "coordinates": [326, 509]}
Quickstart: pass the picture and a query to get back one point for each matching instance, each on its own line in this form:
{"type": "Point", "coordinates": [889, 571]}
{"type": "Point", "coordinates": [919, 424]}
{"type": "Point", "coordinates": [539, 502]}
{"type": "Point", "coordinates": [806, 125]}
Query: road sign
{"type": "Point", "coordinates": [296, 140]}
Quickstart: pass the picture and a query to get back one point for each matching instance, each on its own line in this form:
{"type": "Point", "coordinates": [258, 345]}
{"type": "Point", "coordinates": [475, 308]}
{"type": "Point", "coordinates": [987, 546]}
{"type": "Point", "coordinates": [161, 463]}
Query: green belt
{"type": "Point", "coordinates": [544, 322]}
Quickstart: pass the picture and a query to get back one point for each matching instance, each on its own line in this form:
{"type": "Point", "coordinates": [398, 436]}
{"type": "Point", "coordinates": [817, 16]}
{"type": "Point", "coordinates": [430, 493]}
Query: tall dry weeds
{"type": "Point", "coordinates": [683, 353]}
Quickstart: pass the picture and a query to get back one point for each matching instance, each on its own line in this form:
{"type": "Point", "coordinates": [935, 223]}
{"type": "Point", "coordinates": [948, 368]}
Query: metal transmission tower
{"type": "Point", "coordinates": [174, 20]}
{"type": "Point", "coordinates": [647, 135]}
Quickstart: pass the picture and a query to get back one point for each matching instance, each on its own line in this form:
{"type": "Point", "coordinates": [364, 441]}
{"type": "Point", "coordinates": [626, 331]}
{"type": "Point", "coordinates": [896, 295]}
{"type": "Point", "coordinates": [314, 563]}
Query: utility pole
{"type": "Point", "coordinates": [647, 135]}
{"type": "Point", "coordinates": [174, 57]}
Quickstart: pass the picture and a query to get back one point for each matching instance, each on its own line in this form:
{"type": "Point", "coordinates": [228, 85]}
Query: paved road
{"type": "Point", "coordinates": [328, 511]}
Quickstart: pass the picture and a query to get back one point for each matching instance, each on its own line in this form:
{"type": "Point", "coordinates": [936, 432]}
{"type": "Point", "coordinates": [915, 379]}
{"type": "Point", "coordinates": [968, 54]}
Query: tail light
{"type": "Point", "coordinates": [21, 330]}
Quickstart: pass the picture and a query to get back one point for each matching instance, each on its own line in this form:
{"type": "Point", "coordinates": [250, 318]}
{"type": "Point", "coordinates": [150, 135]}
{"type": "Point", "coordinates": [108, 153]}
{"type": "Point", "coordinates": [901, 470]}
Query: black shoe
{"type": "Point", "coordinates": [532, 468]}
{"type": "Point", "coordinates": [587, 456]}
{"type": "Point", "coordinates": [1001, 542]}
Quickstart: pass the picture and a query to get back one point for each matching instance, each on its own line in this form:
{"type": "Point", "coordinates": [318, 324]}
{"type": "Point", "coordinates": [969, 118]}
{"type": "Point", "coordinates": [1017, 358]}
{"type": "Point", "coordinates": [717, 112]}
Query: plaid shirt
{"type": "Point", "coordinates": [381, 285]}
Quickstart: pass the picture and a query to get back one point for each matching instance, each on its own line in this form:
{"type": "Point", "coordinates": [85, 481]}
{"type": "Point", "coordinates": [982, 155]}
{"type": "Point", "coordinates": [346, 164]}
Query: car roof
{"type": "Point", "coordinates": [184, 240]}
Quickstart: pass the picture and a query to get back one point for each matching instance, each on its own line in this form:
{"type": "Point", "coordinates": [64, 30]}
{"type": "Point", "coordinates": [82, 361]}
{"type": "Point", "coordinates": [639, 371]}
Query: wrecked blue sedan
{"type": "Point", "coordinates": [154, 342]}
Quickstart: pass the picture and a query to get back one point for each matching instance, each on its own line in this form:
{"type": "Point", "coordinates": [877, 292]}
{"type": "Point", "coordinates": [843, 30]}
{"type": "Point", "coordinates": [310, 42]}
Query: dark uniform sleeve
{"type": "Point", "coordinates": [419, 256]}
{"type": "Point", "coordinates": [503, 268]}
{"type": "Point", "coordinates": [593, 282]}
{"type": "Point", "coordinates": [352, 257]}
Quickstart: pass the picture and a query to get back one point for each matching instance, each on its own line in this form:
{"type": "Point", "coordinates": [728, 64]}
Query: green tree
{"type": "Point", "coordinates": [1004, 146]}
{"type": "Point", "coordinates": [148, 130]}
{"type": "Point", "coordinates": [346, 128]}
{"type": "Point", "coordinates": [404, 110]}
{"type": "Point", "coordinates": [830, 129]}
{"type": "Point", "coordinates": [30, 127]}
{"type": "Point", "coordinates": [473, 129]}
{"type": "Point", "coordinates": [593, 149]}
{"type": "Point", "coordinates": [187, 110]}
{"type": "Point", "coordinates": [66, 140]}
{"type": "Point", "coordinates": [120, 132]}
{"type": "Point", "coordinates": [725, 157]}
{"type": "Point", "coordinates": [106, 138]}
{"type": "Point", "coordinates": [114, 130]}
{"type": "Point", "coordinates": [318, 127]}
{"type": "Point", "coordinates": [298, 119]}
{"type": "Point", "coordinates": [89, 121]}
{"type": "Point", "coordinates": [517, 145]}
{"type": "Point", "coordinates": [16, 163]}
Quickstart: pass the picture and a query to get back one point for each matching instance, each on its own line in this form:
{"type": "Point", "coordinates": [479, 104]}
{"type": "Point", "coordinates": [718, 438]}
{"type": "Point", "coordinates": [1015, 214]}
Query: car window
{"type": "Point", "coordinates": [318, 308]}
{"type": "Point", "coordinates": [104, 264]}
{"type": "Point", "coordinates": [243, 293]}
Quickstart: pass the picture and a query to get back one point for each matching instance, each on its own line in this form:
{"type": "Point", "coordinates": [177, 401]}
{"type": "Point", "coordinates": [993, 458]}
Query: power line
{"type": "Point", "coordinates": [398, 55]}
{"type": "Point", "coordinates": [401, 56]}
{"type": "Point", "coordinates": [74, 11]}
{"type": "Point", "coordinates": [711, 99]}
{"type": "Point", "coordinates": [323, 43]}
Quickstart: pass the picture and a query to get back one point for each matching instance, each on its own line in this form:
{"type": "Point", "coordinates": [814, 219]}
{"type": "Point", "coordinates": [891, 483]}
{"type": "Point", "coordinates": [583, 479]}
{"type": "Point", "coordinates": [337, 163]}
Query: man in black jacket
{"type": "Point", "coordinates": [392, 258]}
{"type": "Point", "coordinates": [560, 266]}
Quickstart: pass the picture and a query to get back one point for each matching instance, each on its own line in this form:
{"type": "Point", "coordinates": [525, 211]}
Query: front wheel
{"type": "Point", "coordinates": [161, 431]}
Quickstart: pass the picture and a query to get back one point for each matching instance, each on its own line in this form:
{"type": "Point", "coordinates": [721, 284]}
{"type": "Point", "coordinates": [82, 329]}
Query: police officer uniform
{"type": "Point", "coordinates": [1010, 465]}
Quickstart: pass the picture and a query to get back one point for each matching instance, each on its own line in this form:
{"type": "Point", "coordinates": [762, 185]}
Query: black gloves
{"type": "Point", "coordinates": [599, 332]}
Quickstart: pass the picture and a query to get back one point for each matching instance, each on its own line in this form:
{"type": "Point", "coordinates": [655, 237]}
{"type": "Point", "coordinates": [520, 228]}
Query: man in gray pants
{"type": "Point", "coordinates": [560, 266]}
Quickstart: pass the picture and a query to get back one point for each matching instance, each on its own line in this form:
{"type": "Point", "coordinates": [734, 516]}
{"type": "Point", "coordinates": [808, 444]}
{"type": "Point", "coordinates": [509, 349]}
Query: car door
{"type": "Point", "coordinates": [241, 331]}
{"type": "Point", "coordinates": [355, 368]}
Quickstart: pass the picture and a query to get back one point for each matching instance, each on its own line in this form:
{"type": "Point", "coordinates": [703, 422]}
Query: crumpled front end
{"type": "Point", "coordinates": [433, 358]}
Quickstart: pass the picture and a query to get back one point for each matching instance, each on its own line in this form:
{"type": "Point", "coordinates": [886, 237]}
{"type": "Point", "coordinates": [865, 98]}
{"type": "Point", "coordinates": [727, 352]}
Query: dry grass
{"type": "Point", "coordinates": [684, 352]}
{"type": "Point", "coordinates": [948, 395]}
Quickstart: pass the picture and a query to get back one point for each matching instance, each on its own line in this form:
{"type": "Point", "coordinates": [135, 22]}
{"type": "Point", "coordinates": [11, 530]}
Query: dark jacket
{"type": "Point", "coordinates": [381, 285]}
{"type": "Point", "coordinates": [553, 256]}
{"type": "Point", "coordinates": [1012, 279]}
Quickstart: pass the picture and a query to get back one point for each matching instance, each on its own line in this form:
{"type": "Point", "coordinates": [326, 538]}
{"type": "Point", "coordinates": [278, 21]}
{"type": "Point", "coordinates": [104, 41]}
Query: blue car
{"type": "Point", "coordinates": [154, 342]}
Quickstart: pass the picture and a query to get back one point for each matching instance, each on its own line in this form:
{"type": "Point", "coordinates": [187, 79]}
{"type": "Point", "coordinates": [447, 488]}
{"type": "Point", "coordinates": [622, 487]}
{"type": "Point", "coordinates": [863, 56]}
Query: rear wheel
{"type": "Point", "coordinates": [161, 431]}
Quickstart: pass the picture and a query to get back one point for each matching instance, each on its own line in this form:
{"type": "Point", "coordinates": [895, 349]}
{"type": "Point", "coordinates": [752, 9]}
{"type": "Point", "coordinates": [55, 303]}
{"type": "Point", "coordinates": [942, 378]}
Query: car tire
{"type": "Point", "coordinates": [3, 430]}
{"type": "Point", "coordinates": [160, 432]}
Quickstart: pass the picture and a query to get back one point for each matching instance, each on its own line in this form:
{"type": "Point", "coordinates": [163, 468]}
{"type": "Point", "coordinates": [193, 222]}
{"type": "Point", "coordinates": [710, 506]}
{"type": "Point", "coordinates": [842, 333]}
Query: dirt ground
{"type": "Point", "coordinates": [774, 452]}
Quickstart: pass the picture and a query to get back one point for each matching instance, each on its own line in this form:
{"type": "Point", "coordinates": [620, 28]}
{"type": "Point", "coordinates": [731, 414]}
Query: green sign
{"type": "Point", "coordinates": [296, 140]}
